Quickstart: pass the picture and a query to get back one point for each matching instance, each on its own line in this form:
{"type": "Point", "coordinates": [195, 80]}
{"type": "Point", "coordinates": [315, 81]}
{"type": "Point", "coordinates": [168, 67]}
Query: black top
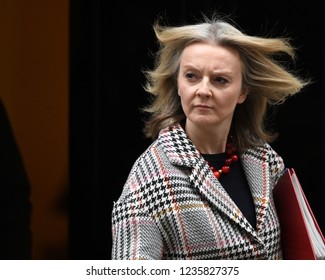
{"type": "Point", "coordinates": [235, 184]}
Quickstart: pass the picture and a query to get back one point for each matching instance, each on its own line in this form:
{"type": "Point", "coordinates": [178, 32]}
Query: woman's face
{"type": "Point", "coordinates": [210, 84]}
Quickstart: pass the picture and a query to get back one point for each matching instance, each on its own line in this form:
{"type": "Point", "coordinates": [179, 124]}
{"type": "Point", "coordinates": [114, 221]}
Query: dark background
{"type": "Point", "coordinates": [111, 43]}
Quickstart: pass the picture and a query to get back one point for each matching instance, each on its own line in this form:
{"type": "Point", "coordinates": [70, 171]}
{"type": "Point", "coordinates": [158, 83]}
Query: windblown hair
{"type": "Point", "coordinates": [267, 81]}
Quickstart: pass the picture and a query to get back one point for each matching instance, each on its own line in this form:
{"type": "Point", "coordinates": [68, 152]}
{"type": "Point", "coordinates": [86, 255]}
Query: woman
{"type": "Point", "coordinates": [203, 189]}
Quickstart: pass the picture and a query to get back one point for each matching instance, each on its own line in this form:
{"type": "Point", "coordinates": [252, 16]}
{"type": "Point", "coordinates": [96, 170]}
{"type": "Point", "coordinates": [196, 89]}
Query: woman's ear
{"type": "Point", "coordinates": [242, 96]}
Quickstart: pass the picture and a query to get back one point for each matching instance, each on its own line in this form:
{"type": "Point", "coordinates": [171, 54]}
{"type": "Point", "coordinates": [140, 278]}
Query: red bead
{"type": "Point", "coordinates": [217, 174]}
{"type": "Point", "coordinates": [234, 157]}
{"type": "Point", "coordinates": [228, 161]}
{"type": "Point", "coordinates": [225, 169]}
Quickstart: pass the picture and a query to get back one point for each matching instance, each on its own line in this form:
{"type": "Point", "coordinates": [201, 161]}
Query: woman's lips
{"type": "Point", "coordinates": [203, 106]}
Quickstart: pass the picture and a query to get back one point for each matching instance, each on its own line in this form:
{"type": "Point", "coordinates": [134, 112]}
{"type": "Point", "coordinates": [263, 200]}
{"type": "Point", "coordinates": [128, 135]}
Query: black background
{"type": "Point", "coordinates": [110, 45]}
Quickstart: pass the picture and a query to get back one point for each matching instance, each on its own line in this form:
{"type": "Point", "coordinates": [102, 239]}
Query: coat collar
{"type": "Point", "coordinates": [179, 149]}
{"type": "Point", "coordinates": [181, 152]}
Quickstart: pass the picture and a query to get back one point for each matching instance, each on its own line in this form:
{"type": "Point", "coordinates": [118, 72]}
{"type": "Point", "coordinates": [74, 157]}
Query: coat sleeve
{"type": "Point", "coordinates": [135, 234]}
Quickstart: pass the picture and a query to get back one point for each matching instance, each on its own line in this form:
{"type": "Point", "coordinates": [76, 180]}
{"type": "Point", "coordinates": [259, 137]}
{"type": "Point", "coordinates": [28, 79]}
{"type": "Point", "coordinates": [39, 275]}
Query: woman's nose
{"type": "Point", "coordinates": [204, 89]}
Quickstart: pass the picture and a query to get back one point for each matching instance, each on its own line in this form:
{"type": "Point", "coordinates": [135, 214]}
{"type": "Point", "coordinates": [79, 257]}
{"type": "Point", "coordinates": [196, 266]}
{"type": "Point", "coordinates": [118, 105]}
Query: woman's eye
{"type": "Point", "coordinates": [220, 80]}
{"type": "Point", "coordinates": [190, 76]}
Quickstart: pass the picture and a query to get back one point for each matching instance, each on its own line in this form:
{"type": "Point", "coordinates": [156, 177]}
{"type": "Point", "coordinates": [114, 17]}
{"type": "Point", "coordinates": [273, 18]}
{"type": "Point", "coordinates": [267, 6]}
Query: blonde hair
{"type": "Point", "coordinates": [266, 80]}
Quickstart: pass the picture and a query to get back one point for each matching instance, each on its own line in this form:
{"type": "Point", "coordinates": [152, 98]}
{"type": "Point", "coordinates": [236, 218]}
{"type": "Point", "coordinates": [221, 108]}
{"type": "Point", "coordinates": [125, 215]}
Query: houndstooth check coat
{"type": "Point", "coordinates": [173, 207]}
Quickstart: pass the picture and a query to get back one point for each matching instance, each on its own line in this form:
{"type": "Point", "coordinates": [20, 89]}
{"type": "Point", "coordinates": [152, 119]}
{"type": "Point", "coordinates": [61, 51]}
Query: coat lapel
{"type": "Point", "coordinates": [258, 176]}
{"type": "Point", "coordinates": [204, 180]}
{"type": "Point", "coordinates": [182, 152]}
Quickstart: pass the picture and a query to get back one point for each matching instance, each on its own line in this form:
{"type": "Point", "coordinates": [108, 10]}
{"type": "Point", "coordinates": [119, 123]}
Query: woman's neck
{"type": "Point", "coordinates": [208, 140]}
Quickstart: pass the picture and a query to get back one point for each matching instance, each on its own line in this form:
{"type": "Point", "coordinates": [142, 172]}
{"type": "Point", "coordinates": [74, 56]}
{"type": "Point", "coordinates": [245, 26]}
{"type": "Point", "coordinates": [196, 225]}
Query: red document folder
{"type": "Point", "coordinates": [301, 237]}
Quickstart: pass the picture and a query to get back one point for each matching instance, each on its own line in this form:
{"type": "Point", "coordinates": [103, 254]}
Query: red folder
{"type": "Point", "coordinates": [301, 237]}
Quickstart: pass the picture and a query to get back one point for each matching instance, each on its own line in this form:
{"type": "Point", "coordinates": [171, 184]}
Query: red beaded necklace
{"type": "Point", "coordinates": [231, 157]}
